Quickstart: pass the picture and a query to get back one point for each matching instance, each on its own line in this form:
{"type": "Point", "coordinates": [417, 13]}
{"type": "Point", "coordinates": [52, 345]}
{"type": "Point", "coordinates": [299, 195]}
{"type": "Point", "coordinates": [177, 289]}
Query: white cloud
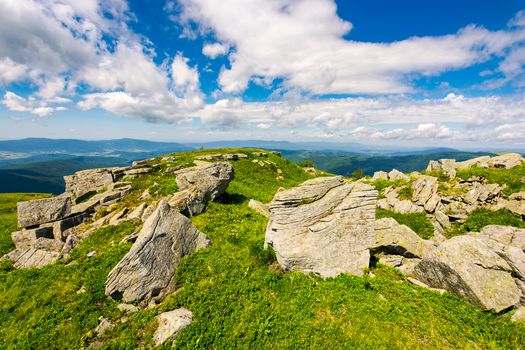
{"type": "Point", "coordinates": [19, 104]}
{"type": "Point", "coordinates": [215, 50]}
{"type": "Point", "coordinates": [263, 126]}
{"type": "Point", "coordinates": [302, 41]}
{"type": "Point", "coordinates": [518, 20]}
{"type": "Point", "coordinates": [60, 45]}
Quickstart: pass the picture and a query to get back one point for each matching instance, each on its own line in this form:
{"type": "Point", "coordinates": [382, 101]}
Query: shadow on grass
{"type": "Point", "coordinates": [232, 198]}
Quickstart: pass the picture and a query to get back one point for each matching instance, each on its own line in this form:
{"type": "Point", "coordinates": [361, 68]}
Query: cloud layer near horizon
{"type": "Point", "coordinates": [83, 55]}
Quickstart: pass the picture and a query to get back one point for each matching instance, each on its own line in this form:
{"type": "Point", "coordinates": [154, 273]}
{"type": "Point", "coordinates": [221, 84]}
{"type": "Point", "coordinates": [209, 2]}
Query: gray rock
{"type": "Point", "coordinates": [139, 171]}
{"type": "Point", "coordinates": [33, 258]}
{"type": "Point", "coordinates": [199, 185]}
{"type": "Point", "coordinates": [507, 161]}
{"type": "Point", "coordinates": [507, 235]}
{"type": "Point", "coordinates": [479, 161]}
{"type": "Point", "coordinates": [40, 211]}
{"type": "Point", "coordinates": [425, 192]}
{"type": "Point", "coordinates": [324, 225]}
{"type": "Point", "coordinates": [53, 245]}
{"type": "Point", "coordinates": [26, 238]}
{"type": "Point", "coordinates": [519, 315]}
{"type": "Point", "coordinates": [117, 217]}
{"type": "Point", "coordinates": [395, 174]}
{"type": "Point", "coordinates": [148, 269]}
{"type": "Point", "coordinates": [170, 324]}
{"type": "Point", "coordinates": [129, 308]}
{"type": "Point", "coordinates": [392, 238]}
{"type": "Point", "coordinates": [136, 214]}
{"type": "Point", "coordinates": [443, 220]}
{"type": "Point", "coordinates": [71, 242]}
{"type": "Point", "coordinates": [103, 326]}
{"type": "Point", "coordinates": [259, 207]}
{"type": "Point", "coordinates": [61, 227]}
{"type": "Point", "coordinates": [468, 267]}
{"type": "Point", "coordinates": [85, 181]}
{"type": "Point", "coordinates": [383, 175]}
{"type": "Point", "coordinates": [405, 207]}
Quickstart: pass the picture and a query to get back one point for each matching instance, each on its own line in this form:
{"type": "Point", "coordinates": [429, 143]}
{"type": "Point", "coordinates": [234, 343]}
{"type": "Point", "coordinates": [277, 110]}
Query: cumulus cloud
{"type": "Point", "coordinates": [60, 45]}
{"type": "Point", "coordinates": [20, 104]}
{"type": "Point", "coordinates": [303, 42]}
{"type": "Point", "coordinates": [215, 50]}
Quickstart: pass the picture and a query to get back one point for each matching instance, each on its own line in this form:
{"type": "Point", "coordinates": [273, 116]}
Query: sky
{"type": "Point", "coordinates": [382, 72]}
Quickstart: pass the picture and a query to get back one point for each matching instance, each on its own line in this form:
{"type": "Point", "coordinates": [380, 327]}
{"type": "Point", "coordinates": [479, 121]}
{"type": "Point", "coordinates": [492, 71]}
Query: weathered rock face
{"type": "Point", "coordinates": [170, 324]}
{"type": "Point", "coordinates": [39, 211]}
{"type": "Point", "coordinates": [259, 207]}
{"type": "Point", "coordinates": [393, 238]}
{"type": "Point", "coordinates": [383, 175]}
{"type": "Point", "coordinates": [149, 267]}
{"type": "Point", "coordinates": [425, 192]}
{"type": "Point", "coordinates": [85, 181]}
{"type": "Point", "coordinates": [468, 267]}
{"type": "Point", "coordinates": [226, 156]}
{"type": "Point", "coordinates": [324, 225]}
{"type": "Point", "coordinates": [509, 160]}
{"type": "Point", "coordinates": [199, 185]}
{"type": "Point", "coordinates": [395, 174]}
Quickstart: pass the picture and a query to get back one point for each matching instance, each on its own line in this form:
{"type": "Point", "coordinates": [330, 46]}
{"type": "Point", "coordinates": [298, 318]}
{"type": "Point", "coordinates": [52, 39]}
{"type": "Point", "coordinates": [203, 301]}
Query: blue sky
{"type": "Point", "coordinates": [419, 73]}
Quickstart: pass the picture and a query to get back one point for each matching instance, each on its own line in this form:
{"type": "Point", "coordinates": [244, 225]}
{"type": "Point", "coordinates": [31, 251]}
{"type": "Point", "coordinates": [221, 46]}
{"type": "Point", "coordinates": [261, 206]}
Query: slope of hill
{"type": "Point", "coordinates": [234, 288]}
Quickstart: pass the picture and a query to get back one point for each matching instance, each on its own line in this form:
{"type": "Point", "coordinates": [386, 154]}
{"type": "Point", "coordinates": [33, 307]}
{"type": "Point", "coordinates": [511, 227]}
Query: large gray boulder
{"type": "Point", "coordinates": [199, 185]}
{"type": "Point", "coordinates": [469, 267]}
{"type": "Point", "coordinates": [324, 225]}
{"type": "Point", "coordinates": [507, 161]}
{"type": "Point", "coordinates": [148, 269]}
{"type": "Point", "coordinates": [40, 211]}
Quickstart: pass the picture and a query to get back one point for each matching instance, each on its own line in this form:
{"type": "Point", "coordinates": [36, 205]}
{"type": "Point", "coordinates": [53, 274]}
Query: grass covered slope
{"type": "Point", "coordinates": [238, 297]}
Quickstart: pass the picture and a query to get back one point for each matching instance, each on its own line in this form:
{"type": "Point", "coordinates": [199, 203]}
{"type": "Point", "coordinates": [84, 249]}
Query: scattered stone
{"type": "Point", "coordinates": [103, 326]}
{"type": "Point", "coordinates": [324, 212]}
{"type": "Point", "coordinates": [129, 308]}
{"type": "Point", "coordinates": [148, 269]}
{"type": "Point", "coordinates": [139, 171]}
{"type": "Point", "coordinates": [519, 315]}
{"type": "Point", "coordinates": [25, 239]}
{"type": "Point", "coordinates": [136, 214]}
{"type": "Point", "coordinates": [145, 195]}
{"type": "Point", "coordinates": [71, 242]}
{"type": "Point", "coordinates": [421, 284]}
{"type": "Point", "coordinates": [91, 254]}
{"type": "Point", "coordinates": [33, 258]}
{"type": "Point", "coordinates": [170, 324]}
{"type": "Point", "coordinates": [82, 290]}
{"type": "Point", "coordinates": [259, 207]}
{"type": "Point", "coordinates": [310, 171]}
{"type": "Point", "coordinates": [116, 218]}
{"type": "Point", "coordinates": [40, 211]}
{"type": "Point", "coordinates": [425, 192]}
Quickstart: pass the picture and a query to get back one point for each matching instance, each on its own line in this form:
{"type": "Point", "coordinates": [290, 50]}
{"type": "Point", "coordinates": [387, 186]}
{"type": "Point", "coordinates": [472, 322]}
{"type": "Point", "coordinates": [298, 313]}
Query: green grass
{"type": "Point", "coordinates": [513, 178]}
{"type": "Point", "coordinates": [238, 296]}
{"type": "Point", "coordinates": [418, 222]}
{"type": "Point", "coordinates": [381, 184]}
{"type": "Point", "coordinates": [8, 222]}
{"type": "Point", "coordinates": [483, 217]}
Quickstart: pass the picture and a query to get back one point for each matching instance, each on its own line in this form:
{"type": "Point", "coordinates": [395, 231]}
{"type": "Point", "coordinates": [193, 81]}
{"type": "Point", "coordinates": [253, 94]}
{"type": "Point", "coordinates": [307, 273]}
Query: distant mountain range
{"type": "Point", "coordinates": [39, 164]}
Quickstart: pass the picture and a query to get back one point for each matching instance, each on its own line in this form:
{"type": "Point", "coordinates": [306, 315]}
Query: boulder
{"type": "Point", "coordinates": [383, 175]}
{"type": "Point", "coordinates": [199, 185]}
{"type": "Point", "coordinates": [482, 162]}
{"type": "Point", "coordinates": [26, 238]}
{"type": "Point", "coordinates": [32, 258]}
{"type": "Point", "coordinates": [148, 269]}
{"type": "Point", "coordinates": [324, 225]}
{"type": "Point", "coordinates": [395, 174]}
{"type": "Point", "coordinates": [40, 211]}
{"type": "Point", "coordinates": [91, 180]}
{"type": "Point", "coordinates": [170, 324]}
{"type": "Point", "coordinates": [469, 268]}
{"type": "Point", "coordinates": [259, 207]}
{"type": "Point", "coordinates": [392, 238]}
{"type": "Point", "coordinates": [425, 192]}
{"type": "Point", "coordinates": [519, 315]}
{"type": "Point", "coordinates": [406, 207]}
{"type": "Point", "coordinates": [507, 235]}
{"type": "Point", "coordinates": [507, 161]}
{"type": "Point", "coordinates": [136, 214]}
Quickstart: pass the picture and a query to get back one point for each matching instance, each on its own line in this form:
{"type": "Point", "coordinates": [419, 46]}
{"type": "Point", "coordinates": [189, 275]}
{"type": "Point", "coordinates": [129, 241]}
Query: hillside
{"type": "Point", "coordinates": [239, 296]}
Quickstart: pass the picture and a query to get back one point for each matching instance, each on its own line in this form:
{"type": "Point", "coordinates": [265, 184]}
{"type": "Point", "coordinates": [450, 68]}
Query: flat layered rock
{"type": "Point", "coordinates": [91, 180]}
{"type": "Point", "coordinates": [40, 211]}
{"type": "Point", "coordinates": [470, 268]}
{"type": "Point", "coordinates": [32, 258]}
{"type": "Point", "coordinates": [324, 225]}
{"type": "Point", "coordinates": [170, 324]}
{"type": "Point", "coordinates": [393, 238]}
{"type": "Point", "coordinates": [148, 269]}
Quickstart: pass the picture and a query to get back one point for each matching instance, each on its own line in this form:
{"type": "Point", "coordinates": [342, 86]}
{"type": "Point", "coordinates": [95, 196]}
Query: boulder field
{"type": "Point", "coordinates": [326, 226]}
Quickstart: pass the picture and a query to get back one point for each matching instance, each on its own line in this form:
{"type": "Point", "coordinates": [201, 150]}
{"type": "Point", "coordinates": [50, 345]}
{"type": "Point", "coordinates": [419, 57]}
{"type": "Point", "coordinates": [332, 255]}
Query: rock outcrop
{"type": "Point", "coordinates": [324, 225]}
{"type": "Point", "coordinates": [468, 267]}
{"type": "Point", "coordinates": [507, 161]}
{"type": "Point", "coordinates": [199, 185]}
{"type": "Point", "coordinates": [148, 269]}
{"type": "Point", "coordinates": [39, 211]}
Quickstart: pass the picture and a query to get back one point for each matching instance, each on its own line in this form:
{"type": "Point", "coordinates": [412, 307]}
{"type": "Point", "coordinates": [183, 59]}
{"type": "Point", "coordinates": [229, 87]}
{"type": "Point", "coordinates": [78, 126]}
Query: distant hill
{"type": "Point", "coordinates": [342, 163]}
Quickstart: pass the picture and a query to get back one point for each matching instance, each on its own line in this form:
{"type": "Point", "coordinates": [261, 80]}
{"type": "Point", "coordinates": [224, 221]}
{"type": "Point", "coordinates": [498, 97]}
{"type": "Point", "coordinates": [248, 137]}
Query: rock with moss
{"type": "Point", "coordinates": [468, 267]}
{"type": "Point", "coordinates": [325, 226]}
{"type": "Point", "coordinates": [425, 192]}
{"type": "Point", "coordinates": [148, 269]}
{"type": "Point", "coordinates": [395, 239]}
